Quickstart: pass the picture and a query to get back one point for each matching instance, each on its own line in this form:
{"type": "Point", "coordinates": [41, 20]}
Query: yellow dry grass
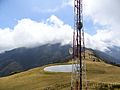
{"type": "Point", "coordinates": [99, 74]}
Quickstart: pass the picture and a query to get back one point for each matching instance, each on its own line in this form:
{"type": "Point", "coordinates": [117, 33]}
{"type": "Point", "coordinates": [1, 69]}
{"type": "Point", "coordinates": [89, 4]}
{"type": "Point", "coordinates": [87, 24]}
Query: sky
{"type": "Point", "coordinates": [25, 23]}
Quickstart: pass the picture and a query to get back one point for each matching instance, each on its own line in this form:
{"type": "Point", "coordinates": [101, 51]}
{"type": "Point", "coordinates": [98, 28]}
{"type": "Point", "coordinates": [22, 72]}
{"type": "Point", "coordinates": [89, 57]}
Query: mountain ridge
{"type": "Point", "coordinates": [21, 59]}
{"type": "Point", "coordinates": [28, 58]}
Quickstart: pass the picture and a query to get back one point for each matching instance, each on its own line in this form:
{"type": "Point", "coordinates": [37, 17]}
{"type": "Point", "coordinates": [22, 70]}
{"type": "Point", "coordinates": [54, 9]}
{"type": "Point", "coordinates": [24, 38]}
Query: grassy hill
{"type": "Point", "coordinates": [101, 76]}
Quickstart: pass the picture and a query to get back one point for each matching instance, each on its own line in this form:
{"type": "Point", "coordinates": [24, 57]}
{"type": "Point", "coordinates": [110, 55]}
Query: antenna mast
{"type": "Point", "coordinates": [78, 61]}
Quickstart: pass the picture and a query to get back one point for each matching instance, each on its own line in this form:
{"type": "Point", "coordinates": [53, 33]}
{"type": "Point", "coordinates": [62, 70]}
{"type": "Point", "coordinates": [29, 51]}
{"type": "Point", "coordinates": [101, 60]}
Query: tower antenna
{"type": "Point", "coordinates": [78, 62]}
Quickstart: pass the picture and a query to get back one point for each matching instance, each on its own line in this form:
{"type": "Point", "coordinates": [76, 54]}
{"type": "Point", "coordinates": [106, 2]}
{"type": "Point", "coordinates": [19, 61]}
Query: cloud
{"type": "Point", "coordinates": [29, 33]}
{"type": "Point", "coordinates": [106, 14]}
{"type": "Point", "coordinates": [103, 11]}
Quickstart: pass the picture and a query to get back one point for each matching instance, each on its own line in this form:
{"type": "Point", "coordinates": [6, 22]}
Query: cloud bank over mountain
{"type": "Point", "coordinates": [104, 13]}
{"type": "Point", "coordinates": [29, 33]}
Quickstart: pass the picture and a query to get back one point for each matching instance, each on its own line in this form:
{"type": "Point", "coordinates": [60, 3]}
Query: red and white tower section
{"type": "Point", "coordinates": [78, 77]}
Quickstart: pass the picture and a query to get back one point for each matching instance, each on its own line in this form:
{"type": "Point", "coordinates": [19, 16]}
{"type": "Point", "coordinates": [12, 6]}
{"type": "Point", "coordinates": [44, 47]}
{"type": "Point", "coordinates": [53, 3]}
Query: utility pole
{"type": "Point", "coordinates": [78, 61]}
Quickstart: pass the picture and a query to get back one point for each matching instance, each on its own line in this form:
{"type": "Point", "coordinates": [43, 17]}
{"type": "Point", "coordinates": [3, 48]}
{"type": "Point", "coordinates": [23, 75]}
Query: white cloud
{"type": "Point", "coordinates": [103, 11]}
{"type": "Point", "coordinates": [93, 43]}
{"type": "Point", "coordinates": [29, 33]}
{"type": "Point", "coordinates": [106, 13]}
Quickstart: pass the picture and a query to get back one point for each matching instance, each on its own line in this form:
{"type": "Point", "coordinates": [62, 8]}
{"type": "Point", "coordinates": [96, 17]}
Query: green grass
{"type": "Point", "coordinates": [101, 76]}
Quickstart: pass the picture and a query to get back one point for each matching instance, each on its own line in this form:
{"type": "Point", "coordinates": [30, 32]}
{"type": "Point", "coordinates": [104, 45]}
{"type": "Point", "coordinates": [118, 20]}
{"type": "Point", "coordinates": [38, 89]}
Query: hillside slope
{"type": "Point", "coordinates": [21, 59]}
{"type": "Point", "coordinates": [101, 76]}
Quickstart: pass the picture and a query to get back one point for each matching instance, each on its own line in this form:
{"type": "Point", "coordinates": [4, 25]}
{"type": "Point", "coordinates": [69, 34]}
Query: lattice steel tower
{"type": "Point", "coordinates": [78, 77]}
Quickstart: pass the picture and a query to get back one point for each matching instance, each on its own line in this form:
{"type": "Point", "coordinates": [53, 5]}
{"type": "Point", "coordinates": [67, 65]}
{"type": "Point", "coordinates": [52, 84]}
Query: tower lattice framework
{"type": "Point", "coordinates": [78, 77]}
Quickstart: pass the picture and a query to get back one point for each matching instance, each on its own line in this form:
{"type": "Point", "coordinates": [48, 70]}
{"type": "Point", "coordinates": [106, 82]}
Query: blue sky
{"type": "Point", "coordinates": [13, 10]}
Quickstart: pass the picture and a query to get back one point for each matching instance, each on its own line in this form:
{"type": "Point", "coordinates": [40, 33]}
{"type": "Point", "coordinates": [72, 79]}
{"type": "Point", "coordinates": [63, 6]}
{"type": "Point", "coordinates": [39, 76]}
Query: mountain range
{"type": "Point", "coordinates": [21, 59]}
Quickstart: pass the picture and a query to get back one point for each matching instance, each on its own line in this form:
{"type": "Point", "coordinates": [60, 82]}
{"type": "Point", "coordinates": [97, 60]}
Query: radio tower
{"type": "Point", "coordinates": [78, 77]}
